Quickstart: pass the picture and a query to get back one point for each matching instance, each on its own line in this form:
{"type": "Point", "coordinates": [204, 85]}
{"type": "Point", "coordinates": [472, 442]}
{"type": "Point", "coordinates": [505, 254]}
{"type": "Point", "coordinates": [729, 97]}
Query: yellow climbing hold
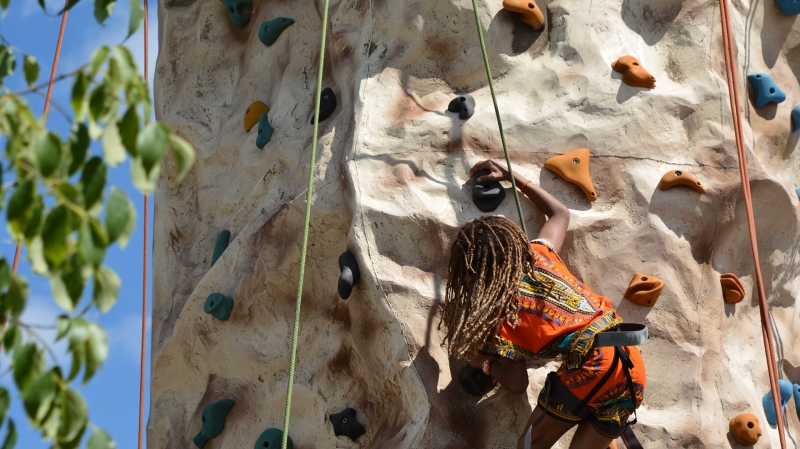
{"type": "Point", "coordinates": [253, 114]}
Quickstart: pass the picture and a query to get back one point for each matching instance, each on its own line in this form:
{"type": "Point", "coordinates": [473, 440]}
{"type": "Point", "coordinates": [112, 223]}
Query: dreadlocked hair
{"type": "Point", "coordinates": [487, 261]}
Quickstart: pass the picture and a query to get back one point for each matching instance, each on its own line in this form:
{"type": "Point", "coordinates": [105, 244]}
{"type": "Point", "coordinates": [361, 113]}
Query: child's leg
{"type": "Point", "coordinates": [586, 437]}
{"type": "Point", "coordinates": [546, 433]}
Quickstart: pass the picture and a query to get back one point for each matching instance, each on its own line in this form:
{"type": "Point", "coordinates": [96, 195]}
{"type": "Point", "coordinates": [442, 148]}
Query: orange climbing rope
{"type": "Point", "coordinates": [766, 327]}
{"type": "Point", "coordinates": [144, 263]}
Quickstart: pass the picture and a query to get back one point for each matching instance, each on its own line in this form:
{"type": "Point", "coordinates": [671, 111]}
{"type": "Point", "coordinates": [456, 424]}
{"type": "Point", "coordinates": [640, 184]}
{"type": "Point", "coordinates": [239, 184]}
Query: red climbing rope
{"type": "Point", "coordinates": [766, 327]}
{"type": "Point", "coordinates": [144, 264]}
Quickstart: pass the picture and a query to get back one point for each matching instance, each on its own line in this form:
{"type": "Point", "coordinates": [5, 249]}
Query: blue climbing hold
{"type": "Point", "coordinates": [219, 306]}
{"type": "Point", "coordinates": [240, 11]}
{"type": "Point", "coordinates": [765, 90]}
{"type": "Point", "coordinates": [789, 7]}
{"type": "Point", "coordinates": [213, 417]}
{"type": "Point", "coordinates": [265, 131]}
{"type": "Point", "coordinates": [797, 399]}
{"type": "Point", "coordinates": [272, 439]}
{"type": "Point", "coordinates": [769, 407]}
{"type": "Point", "coordinates": [221, 245]}
{"type": "Point", "coordinates": [796, 119]}
{"type": "Point", "coordinates": [270, 31]}
{"type": "Point", "coordinates": [798, 192]}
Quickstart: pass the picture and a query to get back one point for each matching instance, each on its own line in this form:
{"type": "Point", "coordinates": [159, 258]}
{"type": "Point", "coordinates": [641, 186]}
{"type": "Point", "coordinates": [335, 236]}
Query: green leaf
{"type": "Point", "coordinates": [36, 255]}
{"type": "Point", "coordinates": [74, 416]}
{"type": "Point", "coordinates": [72, 275]}
{"type": "Point", "coordinates": [25, 363]}
{"type": "Point", "coordinates": [100, 440]}
{"type": "Point", "coordinates": [38, 395]}
{"type": "Point", "coordinates": [93, 179]}
{"type": "Point", "coordinates": [143, 181]}
{"type": "Point", "coordinates": [120, 217]}
{"type": "Point", "coordinates": [78, 147]}
{"type": "Point", "coordinates": [54, 236]}
{"type": "Point", "coordinates": [5, 278]}
{"type": "Point", "coordinates": [62, 326]}
{"type": "Point", "coordinates": [11, 436]}
{"type": "Point", "coordinates": [19, 206]}
{"type": "Point", "coordinates": [49, 425]}
{"type": "Point", "coordinates": [12, 339]}
{"type": "Point", "coordinates": [98, 102]}
{"type": "Point", "coordinates": [4, 4]}
{"type": "Point", "coordinates": [129, 129]}
{"type": "Point", "coordinates": [137, 14]}
{"type": "Point", "coordinates": [48, 153]}
{"type": "Point", "coordinates": [106, 288]}
{"type": "Point", "coordinates": [5, 402]}
{"type": "Point", "coordinates": [79, 88]}
{"type": "Point", "coordinates": [184, 155]}
{"type": "Point", "coordinates": [151, 144]}
{"type": "Point", "coordinates": [98, 58]}
{"type": "Point", "coordinates": [96, 350]}
{"type": "Point", "coordinates": [7, 62]}
{"type": "Point", "coordinates": [92, 242]}
{"type": "Point", "coordinates": [17, 294]}
{"type": "Point", "coordinates": [113, 150]}
{"type": "Point", "coordinates": [78, 356]}
{"type": "Point", "coordinates": [31, 69]}
{"type": "Point", "coordinates": [34, 225]}
{"type": "Point", "coordinates": [103, 9]}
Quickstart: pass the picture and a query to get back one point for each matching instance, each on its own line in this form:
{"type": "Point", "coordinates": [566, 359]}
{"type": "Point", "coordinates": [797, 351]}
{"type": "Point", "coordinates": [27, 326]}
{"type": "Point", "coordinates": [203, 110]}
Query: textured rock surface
{"type": "Point", "coordinates": [392, 186]}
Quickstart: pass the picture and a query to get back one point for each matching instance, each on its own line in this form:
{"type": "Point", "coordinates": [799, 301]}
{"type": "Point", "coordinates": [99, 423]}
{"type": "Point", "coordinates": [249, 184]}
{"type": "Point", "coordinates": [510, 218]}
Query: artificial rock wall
{"type": "Point", "coordinates": [392, 186]}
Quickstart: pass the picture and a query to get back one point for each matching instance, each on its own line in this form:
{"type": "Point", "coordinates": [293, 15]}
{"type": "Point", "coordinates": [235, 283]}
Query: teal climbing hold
{"type": "Point", "coordinates": [221, 245]}
{"type": "Point", "coordinates": [265, 131]}
{"type": "Point", "coordinates": [765, 90]}
{"type": "Point", "coordinates": [219, 306]}
{"type": "Point", "coordinates": [271, 439]}
{"type": "Point", "coordinates": [240, 11]}
{"type": "Point", "coordinates": [789, 7]}
{"type": "Point", "coordinates": [270, 31]}
{"type": "Point", "coordinates": [213, 417]}
{"type": "Point", "coordinates": [796, 119]}
{"type": "Point", "coordinates": [769, 407]}
{"type": "Point", "coordinates": [798, 192]}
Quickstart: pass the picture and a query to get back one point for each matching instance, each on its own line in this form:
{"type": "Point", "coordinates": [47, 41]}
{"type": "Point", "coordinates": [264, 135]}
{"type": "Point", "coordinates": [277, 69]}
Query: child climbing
{"type": "Point", "coordinates": [509, 300]}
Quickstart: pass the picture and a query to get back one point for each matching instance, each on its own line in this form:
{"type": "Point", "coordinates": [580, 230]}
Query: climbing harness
{"type": "Point", "coordinates": [144, 260]}
{"type": "Point", "coordinates": [766, 326]}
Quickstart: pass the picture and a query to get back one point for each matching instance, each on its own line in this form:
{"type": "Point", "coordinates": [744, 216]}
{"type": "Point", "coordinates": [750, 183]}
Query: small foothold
{"type": "Point", "coordinates": [327, 105]}
{"type": "Point", "coordinates": [769, 406]}
{"type": "Point", "coordinates": [475, 382]}
{"type": "Point", "coordinates": [732, 289]}
{"type": "Point", "coordinates": [531, 13]}
{"type": "Point", "coordinates": [221, 245]}
{"type": "Point", "coordinates": [574, 167]}
{"type": "Point", "coordinates": [789, 7]}
{"type": "Point", "coordinates": [272, 439]}
{"type": "Point", "coordinates": [240, 11]}
{"type": "Point", "coordinates": [350, 276]}
{"type": "Point", "coordinates": [765, 90]}
{"type": "Point", "coordinates": [487, 195]}
{"type": "Point", "coordinates": [253, 114]}
{"type": "Point", "coordinates": [269, 32]}
{"type": "Point", "coordinates": [219, 306]}
{"type": "Point", "coordinates": [213, 419]}
{"type": "Point", "coordinates": [745, 429]}
{"type": "Point", "coordinates": [644, 290]}
{"type": "Point", "coordinates": [344, 423]}
{"type": "Point", "coordinates": [796, 118]}
{"type": "Point", "coordinates": [265, 131]}
{"type": "Point", "coordinates": [678, 177]}
{"type": "Point", "coordinates": [464, 105]}
{"type": "Point", "coordinates": [798, 192]}
{"type": "Point", "coordinates": [633, 74]}
{"type": "Point", "coordinates": [796, 394]}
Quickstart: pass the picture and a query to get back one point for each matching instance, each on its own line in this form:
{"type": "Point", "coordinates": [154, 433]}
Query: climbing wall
{"type": "Point", "coordinates": [392, 186]}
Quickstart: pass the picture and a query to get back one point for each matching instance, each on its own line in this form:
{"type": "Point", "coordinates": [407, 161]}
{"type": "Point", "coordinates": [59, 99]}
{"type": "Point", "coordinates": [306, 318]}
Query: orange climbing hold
{"type": "Point", "coordinates": [633, 74]}
{"type": "Point", "coordinates": [644, 290]}
{"type": "Point", "coordinates": [745, 429]}
{"type": "Point", "coordinates": [574, 167]}
{"type": "Point", "coordinates": [531, 13]}
{"type": "Point", "coordinates": [732, 288]}
{"type": "Point", "coordinates": [613, 445]}
{"type": "Point", "coordinates": [678, 177]}
{"type": "Point", "coordinates": [253, 114]}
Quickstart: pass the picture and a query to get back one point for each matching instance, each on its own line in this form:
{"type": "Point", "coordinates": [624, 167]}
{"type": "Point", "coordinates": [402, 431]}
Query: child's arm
{"type": "Point", "coordinates": [512, 375]}
{"type": "Point", "coordinates": [555, 229]}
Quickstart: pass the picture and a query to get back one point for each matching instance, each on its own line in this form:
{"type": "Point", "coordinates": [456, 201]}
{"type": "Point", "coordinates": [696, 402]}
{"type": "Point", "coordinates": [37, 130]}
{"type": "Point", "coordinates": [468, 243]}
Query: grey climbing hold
{"type": "Point", "coordinates": [219, 306]}
{"type": "Point", "coordinates": [350, 275]}
{"type": "Point", "coordinates": [269, 32]}
{"type": "Point", "coordinates": [265, 131]}
{"type": "Point", "coordinates": [240, 11]}
{"type": "Point", "coordinates": [272, 439]}
{"type": "Point", "coordinates": [765, 90]}
{"type": "Point", "coordinates": [785, 388]}
{"type": "Point", "coordinates": [327, 105]}
{"type": "Point", "coordinates": [213, 418]}
{"type": "Point", "coordinates": [475, 382]}
{"type": "Point", "coordinates": [487, 195]}
{"type": "Point", "coordinates": [344, 423]}
{"type": "Point", "coordinates": [464, 105]}
{"type": "Point", "coordinates": [221, 245]}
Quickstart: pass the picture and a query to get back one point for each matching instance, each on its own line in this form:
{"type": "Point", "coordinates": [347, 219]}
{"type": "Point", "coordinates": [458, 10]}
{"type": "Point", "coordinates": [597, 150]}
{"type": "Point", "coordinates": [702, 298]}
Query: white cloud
{"type": "Point", "coordinates": [124, 338]}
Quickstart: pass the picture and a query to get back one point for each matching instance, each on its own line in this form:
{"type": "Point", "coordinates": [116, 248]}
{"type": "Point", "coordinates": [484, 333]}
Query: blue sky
{"type": "Point", "coordinates": [113, 395]}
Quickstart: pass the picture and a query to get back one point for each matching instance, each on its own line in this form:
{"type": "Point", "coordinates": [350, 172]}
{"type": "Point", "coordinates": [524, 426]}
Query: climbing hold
{"type": "Point", "coordinates": [796, 389]}
{"type": "Point", "coordinates": [219, 306]}
{"type": "Point", "coordinates": [633, 74]}
{"type": "Point", "coordinates": [796, 117]}
{"type": "Point", "coordinates": [487, 195]}
{"type": "Point", "coordinates": [464, 105]}
{"type": "Point", "coordinates": [769, 407]}
{"type": "Point", "coordinates": [327, 105]}
{"type": "Point", "coordinates": [344, 423]}
{"type": "Point", "coordinates": [475, 382]}
{"type": "Point", "coordinates": [531, 13]}
{"type": "Point", "coordinates": [265, 131]}
{"type": "Point", "coordinates": [732, 288]}
{"type": "Point", "coordinates": [221, 245]}
{"type": "Point", "coordinates": [644, 290]}
{"type": "Point", "coordinates": [789, 7]}
{"type": "Point", "coordinates": [253, 114]}
{"type": "Point", "coordinates": [213, 418]}
{"type": "Point", "coordinates": [272, 439]}
{"type": "Point", "coordinates": [350, 274]}
{"type": "Point", "coordinates": [613, 445]}
{"type": "Point", "coordinates": [240, 11]}
{"type": "Point", "coordinates": [765, 90]}
{"type": "Point", "coordinates": [269, 31]}
{"type": "Point", "coordinates": [798, 192]}
{"type": "Point", "coordinates": [678, 177]}
{"type": "Point", "coordinates": [574, 167]}
{"type": "Point", "coordinates": [745, 429]}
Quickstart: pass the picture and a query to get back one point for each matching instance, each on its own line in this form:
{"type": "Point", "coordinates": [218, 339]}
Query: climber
{"type": "Point", "coordinates": [509, 300]}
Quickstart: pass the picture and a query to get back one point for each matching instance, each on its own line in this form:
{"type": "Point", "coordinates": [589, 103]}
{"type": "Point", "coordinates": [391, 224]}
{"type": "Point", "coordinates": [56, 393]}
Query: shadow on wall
{"type": "Point", "coordinates": [650, 19]}
{"type": "Point", "coordinates": [774, 31]}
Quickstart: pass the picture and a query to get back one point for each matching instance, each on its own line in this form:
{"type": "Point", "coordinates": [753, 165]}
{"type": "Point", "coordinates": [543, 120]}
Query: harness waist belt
{"type": "Point", "coordinates": [626, 334]}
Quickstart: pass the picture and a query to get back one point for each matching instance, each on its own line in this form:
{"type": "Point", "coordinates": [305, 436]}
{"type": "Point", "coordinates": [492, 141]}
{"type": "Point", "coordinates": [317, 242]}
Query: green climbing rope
{"type": "Point", "coordinates": [497, 113]}
{"type": "Point", "coordinates": [306, 225]}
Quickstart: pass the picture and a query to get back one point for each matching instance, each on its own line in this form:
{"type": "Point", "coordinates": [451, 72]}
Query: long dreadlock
{"type": "Point", "coordinates": [487, 261]}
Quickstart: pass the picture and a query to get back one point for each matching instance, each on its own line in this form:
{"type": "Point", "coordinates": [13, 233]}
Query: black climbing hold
{"type": "Point", "coordinates": [221, 245]}
{"type": "Point", "coordinates": [327, 105]}
{"type": "Point", "coordinates": [475, 382]}
{"type": "Point", "coordinates": [240, 11]}
{"type": "Point", "coordinates": [344, 423]}
{"type": "Point", "coordinates": [219, 306]}
{"type": "Point", "coordinates": [464, 105]}
{"type": "Point", "coordinates": [270, 31]}
{"type": "Point", "coordinates": [213, 417]}
{"type": "Point", "coordinates": [487, 195]}
{"type": "Point", "coordinates": [265, 131]}
{"type": "Point", "coordinates": [272, 439]}
{"type": "Point", "coordinates": [350, 274]}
